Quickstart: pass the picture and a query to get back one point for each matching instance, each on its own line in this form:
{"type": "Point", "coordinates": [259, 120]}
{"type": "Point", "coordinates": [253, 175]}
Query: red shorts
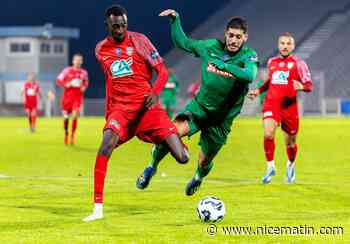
{"type": "Point", "coordinates": [152, 126]}
{"type": "Point", "coordinates": [288, 117]}
{"type": "Point", "coordinates": [70, 104]}
{"type": "Point", "coordinates": [30, 106]}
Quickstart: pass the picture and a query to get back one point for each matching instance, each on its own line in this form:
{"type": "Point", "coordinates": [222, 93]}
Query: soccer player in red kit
{"type": "Point", "coordinates": [74, 81]}
{"type": "Point", "coordinates": [132, 107]}
{"type": "Point", "coordinates": [287, 75]}
{"type": "Point", "coordinates": [31, 95]}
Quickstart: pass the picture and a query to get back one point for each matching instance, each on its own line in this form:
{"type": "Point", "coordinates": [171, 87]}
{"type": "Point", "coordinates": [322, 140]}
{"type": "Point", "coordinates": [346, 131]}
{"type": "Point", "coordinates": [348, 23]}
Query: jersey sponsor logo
{"type": "Point", "coordinates": [76, 82]}
{"type": "Point", "coordinates": [280, 77]}
{"type": "Point", "coordinates": [267, 114]}
{"type": "Point", "coordinates": [30, 92]}
{"type": "Point", "coordinates": [212, 69]}
{"type": "Point", "coordinates": [121, 68]}
{"type": "Point", "coordinates": [129, 51]}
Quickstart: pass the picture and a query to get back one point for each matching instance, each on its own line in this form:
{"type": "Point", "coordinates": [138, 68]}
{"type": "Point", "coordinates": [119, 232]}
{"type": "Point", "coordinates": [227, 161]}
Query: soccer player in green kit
{"type": "Point", "coordinates": [227, 70]}
{"type": "Point", "coordinates": [169, 93]}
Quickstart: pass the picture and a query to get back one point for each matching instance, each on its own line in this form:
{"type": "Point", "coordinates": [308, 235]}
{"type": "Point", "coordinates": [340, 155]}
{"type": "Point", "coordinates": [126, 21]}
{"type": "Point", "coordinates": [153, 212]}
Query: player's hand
{"type": "Point", "coordinates": [151, 99]}
{"type": "Point", "coordinates": [253, 94]}
{"type": "Point", "coordinates": [82, 89]}
{"type": "Point", "coordinates": [218, 63]}
{"type": "Point", "coordinates": [168, 13]}
{"type": "Point", "coordinates": [68, 84]}
{"type": "Point", "coordinates": [298, 86]}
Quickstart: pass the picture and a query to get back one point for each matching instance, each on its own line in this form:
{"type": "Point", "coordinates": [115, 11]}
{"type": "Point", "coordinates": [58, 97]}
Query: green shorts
{"type": "Point", "coordinates": [213, 134]}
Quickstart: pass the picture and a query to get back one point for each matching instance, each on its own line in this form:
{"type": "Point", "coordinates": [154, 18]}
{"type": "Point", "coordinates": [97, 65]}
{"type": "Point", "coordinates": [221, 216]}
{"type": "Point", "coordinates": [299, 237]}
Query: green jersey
{"type": "Point", "coordinates": [222, 91]}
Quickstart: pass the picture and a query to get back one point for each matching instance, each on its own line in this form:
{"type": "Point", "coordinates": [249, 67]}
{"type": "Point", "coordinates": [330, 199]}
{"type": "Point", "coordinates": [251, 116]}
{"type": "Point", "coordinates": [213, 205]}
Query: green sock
{"type": "Point", "coordinates": [158, 153]}
{"type": "Point", "coordinates": [203, 172]}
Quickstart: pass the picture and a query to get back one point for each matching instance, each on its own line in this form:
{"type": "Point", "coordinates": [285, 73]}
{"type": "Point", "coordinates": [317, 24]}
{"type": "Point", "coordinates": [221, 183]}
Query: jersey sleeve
{"type": "Point", "coordinates": [248, 72]}
{"type": "Point", "coordinates": [61, 78]}
{"type": "Point", "coordinates": [146, 49]}
{"type": "Point", "coordinates": [181, 40]}
{"type": "Point", "coordinates": [304, 75]}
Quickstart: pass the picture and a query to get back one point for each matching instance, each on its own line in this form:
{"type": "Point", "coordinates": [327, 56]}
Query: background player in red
{"type": "Point", "coordinates": [287, 75]}
{"type": "Point", "coordinates": [31, 94]}
{"type": "Point", "coordinates": [132, 108]}
{"type": "Point", "coordinates": [74, 80]}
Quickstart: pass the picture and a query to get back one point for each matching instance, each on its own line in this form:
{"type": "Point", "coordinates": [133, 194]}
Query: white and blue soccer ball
{"type": "Point", "coordinates": [211, 209]}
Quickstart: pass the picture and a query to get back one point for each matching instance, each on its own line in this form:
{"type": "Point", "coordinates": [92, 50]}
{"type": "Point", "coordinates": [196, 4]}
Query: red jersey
{"type": "Point", "coordinates": [128, 70]}
{"type": "Point", "coordinates": [77, 78]}
{"type": "Point", "coordinates": [31, 93]}
{"type": "Point", "coordinates": [282, 72]}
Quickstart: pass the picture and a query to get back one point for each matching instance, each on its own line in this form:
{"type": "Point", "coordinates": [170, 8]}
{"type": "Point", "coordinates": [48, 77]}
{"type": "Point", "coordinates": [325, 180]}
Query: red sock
{"type": "Point", "coordinates": [65, 125]}
{"type": "Point", "coordinates": [269, 147]}
{"type": "Point", "coordinates": [74, 125]}
{"type": "Point", "coordinates": [99, 177]}
{"type": "Point", "coordinates": [292, 152]}
{"type": "Point", "coordinates": [33, 120]}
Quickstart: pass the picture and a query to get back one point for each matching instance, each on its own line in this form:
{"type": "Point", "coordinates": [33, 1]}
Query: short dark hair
{"type": "Point", "coordinates": [237, 23]}
{"type": "Point", "coordinates": [287, 34]}
{"type": "Point", "coordinates": [116, 10]}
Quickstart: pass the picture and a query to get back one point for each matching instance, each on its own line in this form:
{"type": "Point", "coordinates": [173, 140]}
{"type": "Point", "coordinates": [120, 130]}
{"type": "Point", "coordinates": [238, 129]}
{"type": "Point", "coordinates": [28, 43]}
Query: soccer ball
{"type": "Point", "coordinates": [211, 209]}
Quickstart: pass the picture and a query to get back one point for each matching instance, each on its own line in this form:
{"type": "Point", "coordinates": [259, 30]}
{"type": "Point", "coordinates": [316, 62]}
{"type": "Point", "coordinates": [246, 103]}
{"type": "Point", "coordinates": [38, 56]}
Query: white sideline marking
{"type": "Point", "coordinates": [4, 176]}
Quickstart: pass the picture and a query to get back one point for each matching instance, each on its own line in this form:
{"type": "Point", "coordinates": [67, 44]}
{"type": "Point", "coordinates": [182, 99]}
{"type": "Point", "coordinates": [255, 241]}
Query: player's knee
{"type": "Point", "coordinates": [269, 134]}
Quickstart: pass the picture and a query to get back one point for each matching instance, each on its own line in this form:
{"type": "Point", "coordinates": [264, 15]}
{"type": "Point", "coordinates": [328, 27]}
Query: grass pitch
{"type": "Point", "coordinates": [46, 188]}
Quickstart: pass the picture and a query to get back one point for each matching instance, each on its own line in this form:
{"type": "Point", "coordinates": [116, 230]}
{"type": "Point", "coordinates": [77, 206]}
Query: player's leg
{"type": "Point", "coordinates": [205, 164]}
{"type": "Point", "coordinates": [270, 125]}
{"type": "Point", "coordinates": [33, 115]}
{"type": "Point", "coordinates": [75, 115]}
{"type": "Point", "coordinates": [211, 141]}
{"type": "Point", "coordinates": [116, 132]}
{"type": "Point", "coordinates": [292, 149]}
{"type": "Point", "coordinates": [66, 126]}
{"type": "Point", "coordinates": [172, 143]}
{"type": "Point", "coordinates": [290, 126]}
{"type": "Point", "coordinates": [29, 117]}
{"type": "Point", "coordinates": [109, 142]}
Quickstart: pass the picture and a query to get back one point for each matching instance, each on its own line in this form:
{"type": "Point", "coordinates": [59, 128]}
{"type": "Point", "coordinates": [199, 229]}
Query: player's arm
{"type": "Point", "coordinates": [256, 92]}
{"type": "Point", "coordinates": [61, 79]}
{"type": "Point", "coordinates": [305, 83]}
{"type": "Point", "coordinates": [85, 83]}
{"type": "Point", "coordinates": [246, 74]}
{"type": "Point", "coordinates": [178, 36]}
{"type": "Point", "coordinates": [162, 77]}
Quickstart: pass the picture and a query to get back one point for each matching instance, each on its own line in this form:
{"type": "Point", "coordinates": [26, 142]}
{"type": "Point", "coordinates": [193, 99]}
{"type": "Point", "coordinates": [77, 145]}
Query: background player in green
{"type": "Point", "coordinates": [169, 93]}
{"type": "Point", "coordinates": [227, 68]}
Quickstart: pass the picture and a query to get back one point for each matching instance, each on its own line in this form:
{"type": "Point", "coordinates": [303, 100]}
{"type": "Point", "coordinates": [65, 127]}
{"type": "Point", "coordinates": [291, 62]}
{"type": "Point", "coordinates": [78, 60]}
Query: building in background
{"type": "Point", "coordinates": [43, 50]}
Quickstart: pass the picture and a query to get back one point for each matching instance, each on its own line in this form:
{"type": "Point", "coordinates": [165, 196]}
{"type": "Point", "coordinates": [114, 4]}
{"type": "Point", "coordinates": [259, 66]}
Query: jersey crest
{"type": "Point", "coordinates": [121, 68]}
